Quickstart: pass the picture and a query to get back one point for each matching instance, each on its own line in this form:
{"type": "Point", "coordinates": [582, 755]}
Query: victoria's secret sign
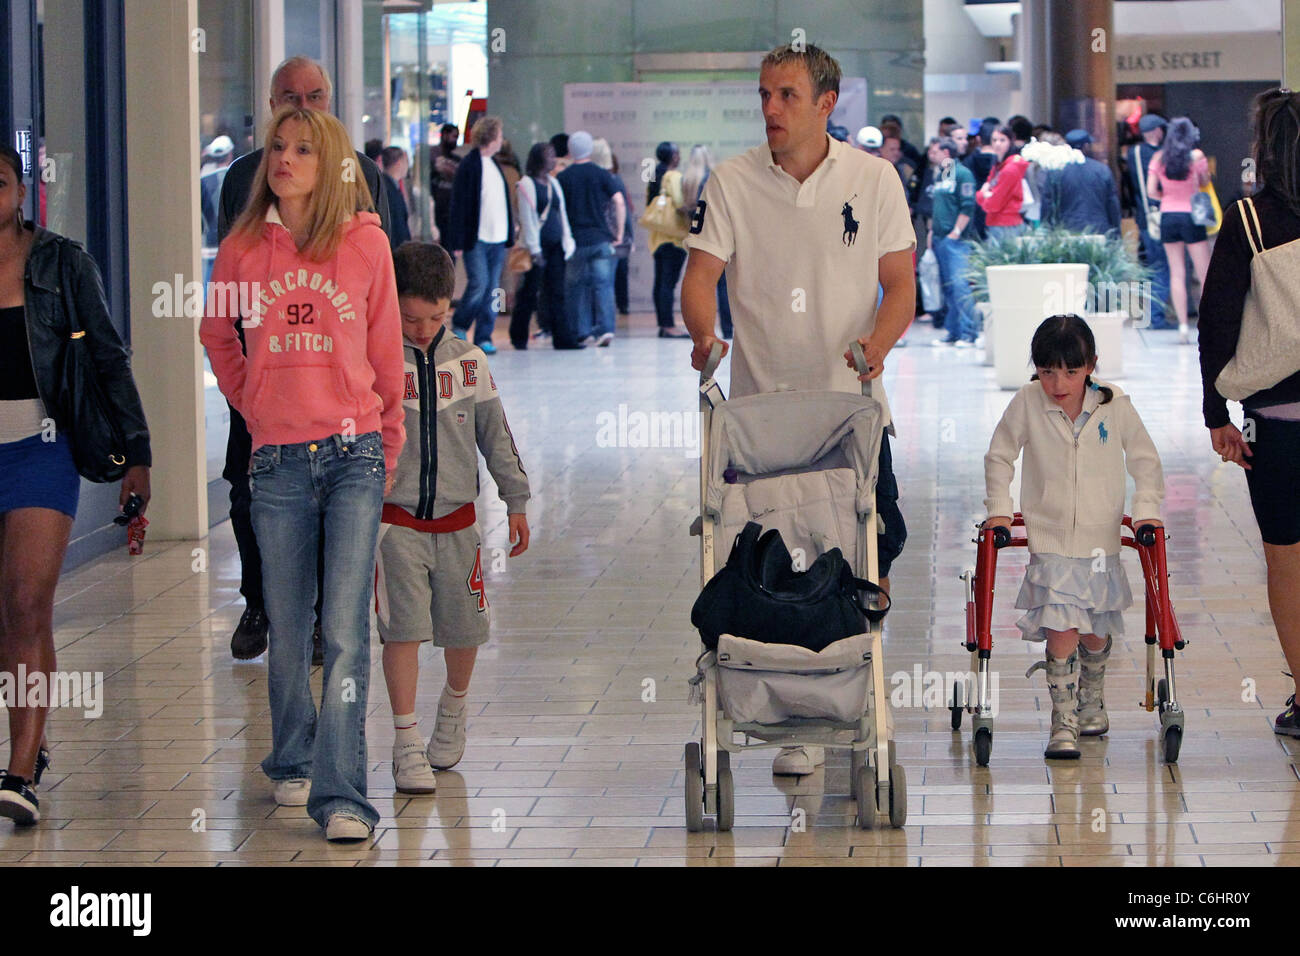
{"type": "Point", "coordinates": [1168, 60]}
{"type": "Point", "coordinates": [1200, 57]}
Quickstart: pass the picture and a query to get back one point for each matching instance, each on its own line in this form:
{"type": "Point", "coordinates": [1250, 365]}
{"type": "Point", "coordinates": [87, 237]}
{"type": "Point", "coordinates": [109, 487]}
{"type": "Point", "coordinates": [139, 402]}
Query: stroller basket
{"type": "Point", "coordinates": [772, 683]}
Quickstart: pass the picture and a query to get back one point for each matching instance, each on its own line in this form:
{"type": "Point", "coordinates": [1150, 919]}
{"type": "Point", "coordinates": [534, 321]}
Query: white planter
{"type": "Point", "coordinates": [1108, 330]}
{"type": "Point", "coordinates": [1022, 296]}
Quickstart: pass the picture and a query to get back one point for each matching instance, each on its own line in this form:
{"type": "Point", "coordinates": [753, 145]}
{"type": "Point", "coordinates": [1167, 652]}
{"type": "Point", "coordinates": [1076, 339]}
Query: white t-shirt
{"type": "Point", "coordinates": [802, 269]}
{"type": "Point", "coordinates": [492, 221]}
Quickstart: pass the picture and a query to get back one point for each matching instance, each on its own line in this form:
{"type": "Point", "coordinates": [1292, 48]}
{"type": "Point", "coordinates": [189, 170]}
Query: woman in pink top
{"type": "Point", "coordinates": [1176, 173]}
{"type": "Point", "coordinates": [320, 383]}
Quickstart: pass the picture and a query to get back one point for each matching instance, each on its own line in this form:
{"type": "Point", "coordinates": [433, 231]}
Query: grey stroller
{"type": "Point", "coordinates": [804, 463]}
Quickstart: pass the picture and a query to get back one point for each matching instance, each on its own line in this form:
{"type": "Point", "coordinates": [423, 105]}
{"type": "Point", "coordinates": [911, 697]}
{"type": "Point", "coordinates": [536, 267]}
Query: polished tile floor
{"type": "Point", "coordinates": [580, 705]}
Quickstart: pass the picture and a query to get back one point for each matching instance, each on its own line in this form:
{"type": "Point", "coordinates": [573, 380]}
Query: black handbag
{"type": "Point", "coordinates": [97, 439]}
{"type": "Point", "coordinates": [759, 596]}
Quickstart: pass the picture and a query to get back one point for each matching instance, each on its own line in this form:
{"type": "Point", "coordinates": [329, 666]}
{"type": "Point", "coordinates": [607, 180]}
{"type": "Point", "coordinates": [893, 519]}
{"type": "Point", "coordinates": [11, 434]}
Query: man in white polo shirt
{"type": "Point", "coordinates": [809, 231]}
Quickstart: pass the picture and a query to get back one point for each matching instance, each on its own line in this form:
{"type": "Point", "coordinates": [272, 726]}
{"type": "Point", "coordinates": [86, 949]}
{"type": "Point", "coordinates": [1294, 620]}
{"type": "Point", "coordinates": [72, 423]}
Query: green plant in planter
{"type": "Point", "coordinates": [1110, 266]}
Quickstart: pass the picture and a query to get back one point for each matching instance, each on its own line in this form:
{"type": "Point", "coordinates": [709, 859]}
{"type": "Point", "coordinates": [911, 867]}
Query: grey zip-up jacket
{"type": "Point", "coordinates": [453, 412]}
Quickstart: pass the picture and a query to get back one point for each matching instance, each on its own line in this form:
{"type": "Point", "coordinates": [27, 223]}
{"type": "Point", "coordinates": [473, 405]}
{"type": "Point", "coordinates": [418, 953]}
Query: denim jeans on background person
{"type": "Point", "coordinates": [1006, 233]}
{"type": "Point", "coordinates": [589, 290]}
{"type": "Point", "coordinates": [669, 260]}
{"type": "Point", "coordinates": [482, 278]}
{"type": "Point", "coordinates": [960, 318]}
{"type": "Point", "coordinates": [333, 486]}
{"type": "Point", "coordinates": [1158, 261]}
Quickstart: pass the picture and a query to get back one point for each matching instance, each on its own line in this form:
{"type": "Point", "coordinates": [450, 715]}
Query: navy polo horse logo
{"type": "Point", "coordinates": [850, 224]}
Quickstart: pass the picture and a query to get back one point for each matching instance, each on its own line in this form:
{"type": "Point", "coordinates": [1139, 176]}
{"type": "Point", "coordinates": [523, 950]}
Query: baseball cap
{"type": "Point", "coordinates": [869, 137]}
{"type": "Point", "coordinates": [580, 144]}
{"type": "Point", "coordinates": [1078, 138]}
{"type": "Point", "coordinates": [221, 146]}
{"type": "Point", "coordinates": [1151, 121]}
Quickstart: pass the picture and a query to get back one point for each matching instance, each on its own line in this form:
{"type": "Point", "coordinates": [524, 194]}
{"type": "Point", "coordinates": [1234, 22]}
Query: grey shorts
{"type": "Point", "coordinates": [429, 587]}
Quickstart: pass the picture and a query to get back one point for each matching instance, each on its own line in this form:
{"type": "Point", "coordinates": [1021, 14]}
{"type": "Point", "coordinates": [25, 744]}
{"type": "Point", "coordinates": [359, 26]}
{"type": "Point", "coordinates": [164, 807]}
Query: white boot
{"type": "Point", "coordinates": [1092, 675]}
{"type": "Point", "coordinates": [1062, 684]}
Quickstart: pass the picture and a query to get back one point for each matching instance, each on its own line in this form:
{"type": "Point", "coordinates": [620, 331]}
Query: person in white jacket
{"type": "Point", "coordinates": [1078, 438]}
{"type": "Point", "coordinates": [544, 232]}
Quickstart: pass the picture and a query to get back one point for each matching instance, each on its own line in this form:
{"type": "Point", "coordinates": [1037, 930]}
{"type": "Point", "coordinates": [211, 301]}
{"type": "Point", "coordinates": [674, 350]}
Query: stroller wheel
{"type": "Point", "coordinates": [866, 798]}
{"type": "Point", "coordinates": [857, 760]}
{"type": "Point", "coordinates": [726, 793]}
{"type": "Point", "coordinates": [983, 742]}
{"type": "Point", "coordinates": [1173, 741]}
{"type": "Point", "coordinates": [694, 789]}
{"type": "Point", "coordinates": [897, 796]}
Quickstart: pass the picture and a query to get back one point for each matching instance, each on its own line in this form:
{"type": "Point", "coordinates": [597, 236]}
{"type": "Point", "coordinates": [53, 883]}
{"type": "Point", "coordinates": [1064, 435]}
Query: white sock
{"type": "Point", "coordinates": [406, 729]}
{"type": "Point", "coordinates": [454, 698]}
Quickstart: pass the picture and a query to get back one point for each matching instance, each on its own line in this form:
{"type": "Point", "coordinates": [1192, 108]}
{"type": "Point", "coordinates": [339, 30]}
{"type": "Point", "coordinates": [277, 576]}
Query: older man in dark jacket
{"type": "Point", "coordinates": [1086, 199]}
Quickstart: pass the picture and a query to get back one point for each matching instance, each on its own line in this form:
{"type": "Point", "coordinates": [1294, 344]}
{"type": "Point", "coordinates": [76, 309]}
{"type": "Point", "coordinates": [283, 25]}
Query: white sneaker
{"type": "Point", "coordinates": [447, 745]}
{"type": "Point", "coordinates": [979, 341]}
{"type": "Point", "coordinates": [292, 792]}
{"type": "Point", "coordinates": [939, 343]}
{"type": "Point", "coordinates": [963, 344]}
{"type": "Point", "coordinates": [411, 770]}
{"type": "Point", "coordinates": [604, 340]}
{"type": "Point", "coordinates": [345, 828]}
{"type": "Point", "coordinates": [798, 761]}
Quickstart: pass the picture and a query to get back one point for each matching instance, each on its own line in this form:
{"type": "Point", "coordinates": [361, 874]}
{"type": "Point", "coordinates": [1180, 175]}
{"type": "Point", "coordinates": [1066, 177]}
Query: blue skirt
{"type": "Point", "coordinates": [35, 473]}
{"type": "Point", "coordinates": [1061, 593]}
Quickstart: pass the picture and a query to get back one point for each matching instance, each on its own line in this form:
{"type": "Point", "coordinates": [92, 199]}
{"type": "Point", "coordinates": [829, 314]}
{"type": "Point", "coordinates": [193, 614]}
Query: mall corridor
{"type": "Point", "coordinates": [579, 707]}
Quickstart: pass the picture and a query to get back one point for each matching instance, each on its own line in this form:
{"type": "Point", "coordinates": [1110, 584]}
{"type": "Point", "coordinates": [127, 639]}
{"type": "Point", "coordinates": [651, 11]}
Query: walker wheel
{"type": "Point", "coordinates": [983, 742]}
{"type": "Point", "coordinates": [956, 706]}
{"type": "Point", "coordinates": [866, 798]}
{"type": "Point", "coordinates": [1162, 696]}
{"type": "Point", "coordinates": [694, 789]}
{"type": "Point", "coordinates": [1173, 741]}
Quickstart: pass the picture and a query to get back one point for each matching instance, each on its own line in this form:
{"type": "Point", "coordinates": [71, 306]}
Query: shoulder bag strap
{"type": "Point", "coordinates": [1142, 177]}
{"type": "Point", "coordinates": [65, 289]}
{"type": "Point", "coordinates": [1256, 247]}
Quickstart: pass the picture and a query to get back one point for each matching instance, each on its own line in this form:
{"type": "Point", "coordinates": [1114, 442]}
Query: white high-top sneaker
{"type": "Point", "coordinates": [1092, 675]}
{"type": "Point", "coordinates": [798, 761]}
{"type": "Point", "coordinates": [411, 770]}
{"type": "Point", "coordinates": [447, 745]}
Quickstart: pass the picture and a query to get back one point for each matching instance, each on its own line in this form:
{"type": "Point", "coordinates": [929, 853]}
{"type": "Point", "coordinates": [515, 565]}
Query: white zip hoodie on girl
{"type": "Point", "coordinates": [1072, 490]}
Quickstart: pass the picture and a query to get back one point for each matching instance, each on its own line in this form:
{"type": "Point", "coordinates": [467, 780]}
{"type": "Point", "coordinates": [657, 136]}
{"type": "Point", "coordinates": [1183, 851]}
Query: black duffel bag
{"type": "Point", "coordinates": [758, 595]}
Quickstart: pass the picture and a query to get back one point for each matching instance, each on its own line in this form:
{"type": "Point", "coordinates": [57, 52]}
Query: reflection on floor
{"type": "Point", "coordinates": [568, 762]}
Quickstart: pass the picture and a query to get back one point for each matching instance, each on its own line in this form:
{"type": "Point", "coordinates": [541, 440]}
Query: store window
{"type": "Point", "coordinates": [433, 62]}
{"type": "Point", "coordinates": [226, 98]}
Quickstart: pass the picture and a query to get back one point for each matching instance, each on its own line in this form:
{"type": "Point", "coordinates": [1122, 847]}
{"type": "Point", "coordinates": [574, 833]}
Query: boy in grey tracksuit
{"type": "Point", "coordinates": [428, 563]}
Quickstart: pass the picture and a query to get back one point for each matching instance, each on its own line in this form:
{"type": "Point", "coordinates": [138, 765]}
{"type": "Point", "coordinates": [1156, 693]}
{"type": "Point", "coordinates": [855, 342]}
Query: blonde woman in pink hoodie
{"type": "Point", "coordinates": [319, 381]}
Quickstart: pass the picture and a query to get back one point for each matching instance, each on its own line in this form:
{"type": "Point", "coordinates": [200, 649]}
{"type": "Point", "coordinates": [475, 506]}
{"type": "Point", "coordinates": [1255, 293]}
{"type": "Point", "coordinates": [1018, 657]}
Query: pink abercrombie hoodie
{"type": "Point", "coordinates": [324, 339]}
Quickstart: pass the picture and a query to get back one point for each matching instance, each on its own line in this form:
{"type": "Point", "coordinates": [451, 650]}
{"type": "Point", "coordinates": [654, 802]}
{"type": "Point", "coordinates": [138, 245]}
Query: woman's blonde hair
{"type": "Point", "coordinates": [336, 197]}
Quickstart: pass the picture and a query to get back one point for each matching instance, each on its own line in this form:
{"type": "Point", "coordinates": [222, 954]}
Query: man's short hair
{"type": "Point", "coordinates": [424, 271]}
{"type": "Point", "coordinates": [485, 130]}
{"type": "Point", "coordinates": [949, 146]}
{"type": "Point", "coordinates": [447, 128]}
{"type": "Point", "coordinates": [300, 61]}
{"type": "Point", "coordinates": [390, 156]}
{"type": "Point", "coordinates": [1021, 127]}
{"type": "Point", "coordinates": [821, 66]}
{"type": "Point", "coordinates": [374, 149]}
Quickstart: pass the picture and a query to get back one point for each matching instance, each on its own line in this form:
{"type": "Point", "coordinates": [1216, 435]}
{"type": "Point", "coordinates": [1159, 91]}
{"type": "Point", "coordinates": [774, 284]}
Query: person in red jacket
{"type": "Point", "coordinates": [309, 269]}
{"type": "Point", "coordinates": [1003, 192]}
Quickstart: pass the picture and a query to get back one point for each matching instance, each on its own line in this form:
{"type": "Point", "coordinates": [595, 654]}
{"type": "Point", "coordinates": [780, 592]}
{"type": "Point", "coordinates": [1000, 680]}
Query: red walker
{"type": "Point", "coordinates": [1161, 628]}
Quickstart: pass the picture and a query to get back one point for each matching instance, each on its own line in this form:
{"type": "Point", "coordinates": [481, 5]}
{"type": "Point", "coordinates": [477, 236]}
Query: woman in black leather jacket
{"type": "Point", "coordinates": [39, 483]}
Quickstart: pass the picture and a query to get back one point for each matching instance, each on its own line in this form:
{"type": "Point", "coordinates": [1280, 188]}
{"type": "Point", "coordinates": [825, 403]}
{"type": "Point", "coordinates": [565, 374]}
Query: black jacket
{"type": "Point", "coordinates": [239, 183]}
{"type": "Point", "coordinates": [1085, 199]}
{"type": "Point", "coordinates": [401, 230]}
{"type": "Point", "coordinates": [465, 192]}
{"type": "Point", "coordinates": [48, 328]}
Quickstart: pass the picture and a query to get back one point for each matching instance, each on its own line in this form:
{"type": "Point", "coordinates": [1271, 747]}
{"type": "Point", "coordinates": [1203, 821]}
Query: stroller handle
{"type": "Point", "coordinates": [711, 364]}
{"type": "Point", "coordinates": [860, 361]}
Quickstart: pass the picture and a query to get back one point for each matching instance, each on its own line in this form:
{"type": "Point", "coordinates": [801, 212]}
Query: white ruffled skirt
{"type": "Point", "coordinates": [1061, 593]}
